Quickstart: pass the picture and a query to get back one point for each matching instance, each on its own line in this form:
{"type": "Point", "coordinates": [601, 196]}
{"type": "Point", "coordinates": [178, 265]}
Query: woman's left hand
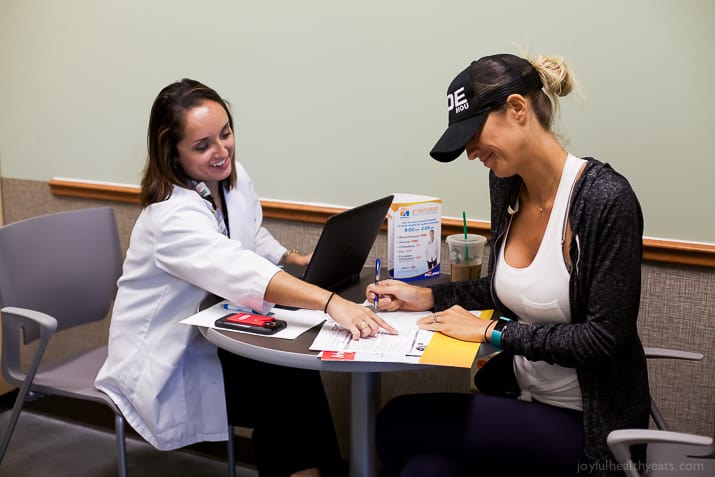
{"type": "Point", "coordinates": [299, 259]}
{"type": "Point", "coordinates": [455, 322]}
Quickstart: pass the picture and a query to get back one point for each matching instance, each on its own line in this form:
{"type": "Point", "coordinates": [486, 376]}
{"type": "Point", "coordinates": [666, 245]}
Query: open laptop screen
{"type": "Point", "coordinates": [344, 245]}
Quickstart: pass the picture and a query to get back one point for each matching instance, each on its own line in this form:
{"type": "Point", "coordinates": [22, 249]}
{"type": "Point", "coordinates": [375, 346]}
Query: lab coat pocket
{"type": "Point", "coordinates": [160, 395]}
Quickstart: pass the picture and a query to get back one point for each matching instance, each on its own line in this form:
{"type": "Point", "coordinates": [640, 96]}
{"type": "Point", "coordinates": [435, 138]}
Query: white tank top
{"type": "Point", "coordinates": [540, 292]}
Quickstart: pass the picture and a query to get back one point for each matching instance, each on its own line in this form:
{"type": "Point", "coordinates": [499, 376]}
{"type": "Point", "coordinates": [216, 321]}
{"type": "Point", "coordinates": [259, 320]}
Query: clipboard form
{"type": "Point", "coordinates": [411, 345]}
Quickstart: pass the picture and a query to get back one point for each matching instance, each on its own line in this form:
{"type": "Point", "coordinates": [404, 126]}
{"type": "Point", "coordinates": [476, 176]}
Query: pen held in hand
{"type": "Point", "coordinates": [377, 280]}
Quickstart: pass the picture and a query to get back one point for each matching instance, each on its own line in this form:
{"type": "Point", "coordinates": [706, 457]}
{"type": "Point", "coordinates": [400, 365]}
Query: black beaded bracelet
{"type": "Point", "coordinates": [325, 309]}
{"type": "Point", "coordinates": [486, 330]}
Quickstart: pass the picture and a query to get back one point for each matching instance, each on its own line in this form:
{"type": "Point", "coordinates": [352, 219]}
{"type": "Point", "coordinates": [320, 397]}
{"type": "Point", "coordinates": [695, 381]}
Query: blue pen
{"type": "Point", "coordinates": [377, 280]}
{"type": "Point", "coordinates": [230, 307]}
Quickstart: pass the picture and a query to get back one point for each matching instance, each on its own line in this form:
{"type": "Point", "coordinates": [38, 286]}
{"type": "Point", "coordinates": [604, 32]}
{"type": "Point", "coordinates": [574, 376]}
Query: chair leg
{"type": "Point", "coordinates": [657, 416]}
{"type": "Point", "coordinates": [231, 455]}
{"type": "Point", "coordinates": [14, 416]}
{"type": "Point", "coordinates": [121, 444]}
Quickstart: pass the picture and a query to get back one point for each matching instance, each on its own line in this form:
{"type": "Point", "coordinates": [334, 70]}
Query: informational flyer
{"type": "Point", "coordinates": [414, 231]}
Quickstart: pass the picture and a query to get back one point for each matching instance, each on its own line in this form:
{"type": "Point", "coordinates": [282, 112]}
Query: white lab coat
{"type": "Point", "coordinates": [163, 375]}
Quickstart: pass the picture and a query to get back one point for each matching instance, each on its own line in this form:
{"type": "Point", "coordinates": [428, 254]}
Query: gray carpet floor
{"type": "Point", "coordinates": [49, 445]}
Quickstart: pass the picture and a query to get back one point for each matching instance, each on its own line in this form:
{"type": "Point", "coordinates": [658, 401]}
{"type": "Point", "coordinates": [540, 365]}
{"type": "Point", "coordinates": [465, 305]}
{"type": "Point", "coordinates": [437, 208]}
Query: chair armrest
{"type": "Point", "coordinates": [630, 437]}
{"type": "Point", "coordinates": [621, 440]}
{"type": "Point", "coordinates": [13, 319]}
{"type": "Point", "coordinates": [45, 321]}
{"type": "Point", "coordinates": [672, 354]}
{"type": "Point", "coordinates": [669, 354]}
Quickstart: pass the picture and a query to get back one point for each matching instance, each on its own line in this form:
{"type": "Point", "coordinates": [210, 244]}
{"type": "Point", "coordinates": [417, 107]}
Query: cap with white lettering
{"type": "Point", "coordinates": [484, 85]}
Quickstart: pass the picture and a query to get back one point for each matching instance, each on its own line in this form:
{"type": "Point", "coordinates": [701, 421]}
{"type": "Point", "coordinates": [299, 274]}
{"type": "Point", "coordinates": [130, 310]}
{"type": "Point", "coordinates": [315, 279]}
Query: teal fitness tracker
{"type": "Point", "coordinates": [499, 328]}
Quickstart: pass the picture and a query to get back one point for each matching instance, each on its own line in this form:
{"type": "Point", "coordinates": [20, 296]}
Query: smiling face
{"type": "Point", "coordinates": [501, 142]}
{"type": "Point", "coordinates": [207, 146]}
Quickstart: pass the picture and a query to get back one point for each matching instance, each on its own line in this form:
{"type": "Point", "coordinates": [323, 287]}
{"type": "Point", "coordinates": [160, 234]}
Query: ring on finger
{"type": "Point", "coordinates": [363, 325]}
{"type": "Point", "coordinates": [434, 318]}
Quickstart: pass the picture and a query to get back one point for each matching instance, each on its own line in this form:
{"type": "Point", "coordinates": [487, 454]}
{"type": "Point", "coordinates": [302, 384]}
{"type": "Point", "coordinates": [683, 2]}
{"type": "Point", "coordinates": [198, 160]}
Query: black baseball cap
{"type": "Point", "coordinates": [484, 85]}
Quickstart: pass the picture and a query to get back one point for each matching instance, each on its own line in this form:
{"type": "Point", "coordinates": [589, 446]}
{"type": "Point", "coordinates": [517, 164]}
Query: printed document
{"type": "Point", "coordinates": [410, 342]}
{"type": "Point", "coordinates": [411, 345]}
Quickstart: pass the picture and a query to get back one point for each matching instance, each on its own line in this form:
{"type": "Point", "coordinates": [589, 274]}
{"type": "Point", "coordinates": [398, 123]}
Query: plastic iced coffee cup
{"type": "Point", "coordinates": [465, 256]}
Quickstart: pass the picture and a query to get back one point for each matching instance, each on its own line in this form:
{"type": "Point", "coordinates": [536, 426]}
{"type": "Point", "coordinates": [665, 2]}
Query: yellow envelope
{"type": "Point", "coordinates": [444, 350]}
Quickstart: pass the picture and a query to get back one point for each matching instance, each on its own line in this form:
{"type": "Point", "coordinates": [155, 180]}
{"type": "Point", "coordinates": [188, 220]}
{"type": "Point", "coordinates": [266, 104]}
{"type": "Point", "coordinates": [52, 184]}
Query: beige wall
{"type": "Point", "coordinates": [357, 90]}
{"type": "Point", "coordinates": [677, 311]}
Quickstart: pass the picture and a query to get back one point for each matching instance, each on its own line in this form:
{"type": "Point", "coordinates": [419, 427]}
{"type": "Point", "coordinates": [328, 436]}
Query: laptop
{"type": "Point", "coordinates": [343, 246]}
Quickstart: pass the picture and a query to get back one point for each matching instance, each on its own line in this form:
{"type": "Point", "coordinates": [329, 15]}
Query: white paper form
{"type": "Point", "coordinates": [298, 321]}
{"type": "Point", "coordinates": [407, 346]}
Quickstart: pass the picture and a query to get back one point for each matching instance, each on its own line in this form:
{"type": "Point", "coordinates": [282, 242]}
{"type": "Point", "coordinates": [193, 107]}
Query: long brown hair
{"type": "Point", "coordinates": [166, 129]}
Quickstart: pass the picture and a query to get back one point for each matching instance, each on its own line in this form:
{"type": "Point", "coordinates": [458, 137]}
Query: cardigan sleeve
{"type": "Point", "coordinates": [472, 295]}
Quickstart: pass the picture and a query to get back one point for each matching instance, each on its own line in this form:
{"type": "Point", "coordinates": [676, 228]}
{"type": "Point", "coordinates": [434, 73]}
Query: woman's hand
{"type": "Point", "coordinates": [360, 320]}
{"type": "Point", "coordinates": [398, 295]}
{"type": "Point", "coordinates": [299, 259]}
{"type": "Point", "coordinates": [457, 323]}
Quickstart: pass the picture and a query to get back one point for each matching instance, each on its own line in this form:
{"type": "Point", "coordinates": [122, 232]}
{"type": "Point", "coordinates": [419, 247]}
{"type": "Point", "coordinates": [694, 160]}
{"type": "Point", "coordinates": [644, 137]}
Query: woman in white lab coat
{"type": "Point", "coordinates": [200, 231]}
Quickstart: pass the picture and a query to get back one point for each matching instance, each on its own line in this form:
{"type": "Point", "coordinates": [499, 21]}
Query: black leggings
{"type": "Point", "coordinates": [450, 435]}
{"type": "Point", "coordinates": [288, 411]}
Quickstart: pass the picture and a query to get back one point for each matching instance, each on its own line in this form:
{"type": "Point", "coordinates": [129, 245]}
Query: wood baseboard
{"type": "Point", "coordinates": [654, 250]}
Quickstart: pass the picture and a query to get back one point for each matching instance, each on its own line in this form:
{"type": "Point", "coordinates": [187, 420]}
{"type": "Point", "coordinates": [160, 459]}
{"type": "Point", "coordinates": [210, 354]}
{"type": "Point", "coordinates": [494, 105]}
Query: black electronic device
{"type": "Point", "coordinates": [344, 245]}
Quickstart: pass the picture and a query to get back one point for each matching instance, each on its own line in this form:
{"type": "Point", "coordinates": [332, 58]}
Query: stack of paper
{"type": "Point", "coordinates": [411, 345]}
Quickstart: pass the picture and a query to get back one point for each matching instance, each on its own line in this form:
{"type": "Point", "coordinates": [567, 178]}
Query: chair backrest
{"type": "Point", "coordinates": [64, 264]}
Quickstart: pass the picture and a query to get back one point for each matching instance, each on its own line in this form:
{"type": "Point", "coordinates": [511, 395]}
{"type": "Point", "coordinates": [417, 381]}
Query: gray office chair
{"type": "Point", "coordinates": [666, 353]}
{"type": "Point", "coordinates": [668, 453]}
{"type": "Point", "coordinates": [59, 271]}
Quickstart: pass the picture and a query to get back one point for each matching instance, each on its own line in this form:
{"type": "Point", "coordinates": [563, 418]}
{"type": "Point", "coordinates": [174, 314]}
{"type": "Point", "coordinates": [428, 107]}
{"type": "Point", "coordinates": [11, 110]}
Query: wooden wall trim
{"type": "Point", "coordinates": [97, 191]}
{"type": "Point", "coordinates": [655, 250]}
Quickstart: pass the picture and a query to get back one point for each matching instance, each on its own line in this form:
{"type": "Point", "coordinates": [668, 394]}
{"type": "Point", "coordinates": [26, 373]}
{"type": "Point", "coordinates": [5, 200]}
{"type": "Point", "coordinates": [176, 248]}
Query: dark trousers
{"type": "Point", "coordinates": [288, 411]}
{"type": "Point", "coordinates": [460, 435]}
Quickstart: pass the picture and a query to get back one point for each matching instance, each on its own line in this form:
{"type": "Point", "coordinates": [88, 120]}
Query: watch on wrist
{"type": "Point", "coordinates": [499, 328]}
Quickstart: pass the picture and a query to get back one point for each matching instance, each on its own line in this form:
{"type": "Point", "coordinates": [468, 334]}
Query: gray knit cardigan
{"type": "Point", "coordinates": [601, 342]}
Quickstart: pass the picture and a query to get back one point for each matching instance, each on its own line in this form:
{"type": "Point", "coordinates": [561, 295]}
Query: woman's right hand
{"type": "Point", "coordinates": [398, 295]}
{"type": "Point", "coordinates": [359, 320]}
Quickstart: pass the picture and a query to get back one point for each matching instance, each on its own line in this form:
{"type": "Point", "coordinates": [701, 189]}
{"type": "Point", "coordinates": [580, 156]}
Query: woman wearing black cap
{"type": "Point", "coordinates": [564, 280]}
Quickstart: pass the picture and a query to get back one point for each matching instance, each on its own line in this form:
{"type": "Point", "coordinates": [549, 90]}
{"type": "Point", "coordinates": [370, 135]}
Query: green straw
{"type": "Point", "coordinates": [466, 248]}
